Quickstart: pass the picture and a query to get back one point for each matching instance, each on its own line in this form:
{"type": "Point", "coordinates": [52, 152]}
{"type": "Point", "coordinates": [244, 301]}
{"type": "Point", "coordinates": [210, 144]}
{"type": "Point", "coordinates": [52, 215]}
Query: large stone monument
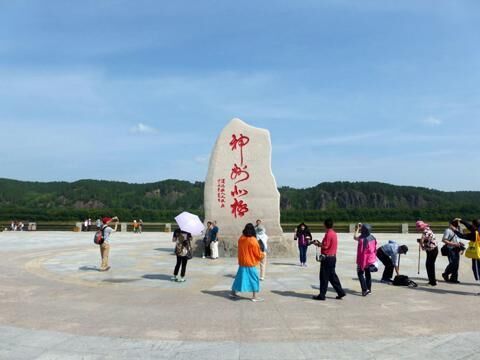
{"type": "Point", "coordinates": [240, 187]}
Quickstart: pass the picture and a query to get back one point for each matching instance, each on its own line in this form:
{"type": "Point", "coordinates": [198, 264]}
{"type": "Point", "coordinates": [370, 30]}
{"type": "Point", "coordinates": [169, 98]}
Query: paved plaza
{"type": "Point", "coordinates": [55, 304]}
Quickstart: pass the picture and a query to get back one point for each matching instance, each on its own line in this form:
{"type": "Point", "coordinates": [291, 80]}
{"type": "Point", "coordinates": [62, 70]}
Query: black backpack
{"type": "Point", "coordinates": [99, 237]}
{"type": "Point", "coordinates": [403, 280]}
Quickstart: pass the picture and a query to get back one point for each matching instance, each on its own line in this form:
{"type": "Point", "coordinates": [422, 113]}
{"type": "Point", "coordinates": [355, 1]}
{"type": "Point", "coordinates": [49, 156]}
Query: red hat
{"type": "Point", "coordinates": [106, 220]}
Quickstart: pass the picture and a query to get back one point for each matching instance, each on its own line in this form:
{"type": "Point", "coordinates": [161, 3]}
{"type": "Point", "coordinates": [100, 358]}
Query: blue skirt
{"type": "Point", "coordinates": [246, 280]}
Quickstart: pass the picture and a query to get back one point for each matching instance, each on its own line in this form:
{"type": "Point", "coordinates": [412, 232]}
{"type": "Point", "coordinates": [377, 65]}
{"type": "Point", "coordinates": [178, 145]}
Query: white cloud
{"type": "Point", "coordinates": [141, 128]}
{"type": "Point", "coordinates": [202, 159]}
{"type": "Point", "coordinates": [432, 121]}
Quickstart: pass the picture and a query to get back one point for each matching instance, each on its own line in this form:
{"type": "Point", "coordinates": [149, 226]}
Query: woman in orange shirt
{"type": "Point", "coordinates": [249, 256]}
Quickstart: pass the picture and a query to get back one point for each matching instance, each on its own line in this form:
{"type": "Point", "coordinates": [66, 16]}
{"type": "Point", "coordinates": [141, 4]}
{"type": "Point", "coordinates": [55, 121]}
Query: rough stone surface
{"type": "Point", "coordinates": [240, 187]}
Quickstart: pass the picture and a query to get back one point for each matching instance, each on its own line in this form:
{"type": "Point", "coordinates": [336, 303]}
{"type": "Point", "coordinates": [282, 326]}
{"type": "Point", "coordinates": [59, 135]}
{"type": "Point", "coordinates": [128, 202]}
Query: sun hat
{"type": "Point", "coordinates": [421, 225]}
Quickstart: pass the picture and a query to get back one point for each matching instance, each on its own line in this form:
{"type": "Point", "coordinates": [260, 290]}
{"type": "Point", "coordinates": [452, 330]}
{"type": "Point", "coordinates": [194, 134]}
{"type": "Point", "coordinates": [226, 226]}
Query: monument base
{"type": "Point", "coordinates": [278, 246]}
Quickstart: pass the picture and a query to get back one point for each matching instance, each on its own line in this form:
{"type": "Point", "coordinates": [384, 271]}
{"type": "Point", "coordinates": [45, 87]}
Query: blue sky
{"type": "Point", "coordinates": [139, 90]}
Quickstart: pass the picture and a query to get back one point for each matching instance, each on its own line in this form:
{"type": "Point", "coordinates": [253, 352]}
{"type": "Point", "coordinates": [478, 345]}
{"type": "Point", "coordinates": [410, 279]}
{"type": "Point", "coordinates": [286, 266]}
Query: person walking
{"type": "Point", "coordinates": [366, 256]}
{"type": "Point", "coordinates": [213, 240]}
{"type": "Point", "coordinates": [140, 226]}
{"type": "Point", "coordinates": [328, 274]}
{"type": "Point", "coordinates": [304, 237]}
{"type": "Point", "coordinates": [249, 256]}
{"type": "Point", "coordinates": [428, 243]}
{"type": "Point", "coordinates": [135, 227]}
{"type": "Point", "coordinates": [454, 247]}
{"type": "Point", "coordinates": [183, 251]}
{"type": "Point", "coordinates": [105, 246]}
{"type": "Point", "coordinates": [388, 254]}
{"type": "Point", "coordinates": [472, 235]}
{"type": "Point", "coordinates": [262, 237]}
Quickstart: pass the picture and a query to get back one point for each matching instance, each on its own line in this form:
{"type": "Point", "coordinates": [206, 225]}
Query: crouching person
{"type": "Point", "coordinates": [388, 255]}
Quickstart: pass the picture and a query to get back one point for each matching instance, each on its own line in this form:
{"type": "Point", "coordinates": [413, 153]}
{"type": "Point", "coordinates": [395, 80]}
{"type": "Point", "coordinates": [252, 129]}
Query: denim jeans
{"type": "Point", "coordinates": [303, 253]}
{"type": "Point", "coordinates": [453, 264]}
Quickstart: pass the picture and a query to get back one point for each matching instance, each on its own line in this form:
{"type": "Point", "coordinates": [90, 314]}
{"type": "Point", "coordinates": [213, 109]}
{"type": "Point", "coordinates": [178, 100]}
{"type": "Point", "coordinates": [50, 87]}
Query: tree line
{"type": "Point", "coordinates": [161, 201]}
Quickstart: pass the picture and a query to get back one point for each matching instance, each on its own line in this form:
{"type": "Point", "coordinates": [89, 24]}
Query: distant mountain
{"type": "Point", "coordinates": [159, 201]}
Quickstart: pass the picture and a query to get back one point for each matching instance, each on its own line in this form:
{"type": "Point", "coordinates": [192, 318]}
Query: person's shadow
{"type": "Point", "coordinates": [162, 277]}
{"type": "Point", "coordinates": [292, 294]}
{"type": "Point", "coordinates": [225, 294]}
{"type": "Point", "coordinates": [88, 268]}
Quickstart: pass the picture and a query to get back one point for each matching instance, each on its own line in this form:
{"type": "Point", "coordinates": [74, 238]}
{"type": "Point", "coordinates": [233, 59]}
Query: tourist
{"type": "Point", "coordinates": [140, 226]}
{"type": "Point", "coordinates": [454, 248]}
{"type": "Point", "coordinates": [85, 225]}
{"type": "Point", "coordinates": [366, 256]}
{"type": "Point", "coordinates": [213, 234]}
{"type": "Point", "coordinates": [99, 223]}
{"type": "Point", "coordinates": [262, 237]}
{"type": "Point", "coordinates": [249, 256]}
{"type": "Point", "coordinates": [135, 227]}
{"type": "Point", "coordinates": [428, 243]}
{"type": "Point", "coordinates": [206, 241]}
{"type": "Point", "coordinates": [105, 246]}
{"type": "Point", "coordinates": [183, 251]}
{"type": "Point", "coordinates": [388, 254]}
{"type": "Point", "coordinates": [21, 226]}
{"type": "Point", "coordinates": [328, 263]}
{"type": "Point", "coordinates": [89, 224]}
{"type": "Point", "coordinates": [472, 235]}
{"type": "Point", "coordinates": [13, 226]}
{"type": "Point", "coordinates": [304, 238]}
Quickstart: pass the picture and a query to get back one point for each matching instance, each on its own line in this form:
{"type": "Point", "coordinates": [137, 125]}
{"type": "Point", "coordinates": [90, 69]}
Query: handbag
{"type": "Point", "coordinates": [318, 255]}
{"type": "Point", "coordinates": [473, 249]}
{"type": "Point", "coordinates": [444, 250]}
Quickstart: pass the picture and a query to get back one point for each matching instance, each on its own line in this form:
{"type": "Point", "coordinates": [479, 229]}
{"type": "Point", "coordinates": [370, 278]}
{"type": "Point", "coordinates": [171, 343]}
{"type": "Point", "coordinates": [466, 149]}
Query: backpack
{"type": "Point", "coordinates": [403, 280]}
{"type": "Point", "coordinates": [99, 237]}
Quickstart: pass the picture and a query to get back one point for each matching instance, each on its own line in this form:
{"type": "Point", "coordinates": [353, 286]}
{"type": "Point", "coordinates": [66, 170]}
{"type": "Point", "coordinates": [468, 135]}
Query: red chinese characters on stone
{"type": "Point", "coordinates": [238, 192]}
{"type": "Point", "coordinates": [239, 208]}
{"type": "Point", "coordinates": [221, 195]}
{"type": "Point", "coordinates": [239, 173]}
{"type": "Point", "coordinates": [239, 142]}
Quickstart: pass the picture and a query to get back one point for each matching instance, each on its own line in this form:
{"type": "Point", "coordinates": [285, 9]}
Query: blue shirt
{"type": "Point", "coordinates": [391, 250]}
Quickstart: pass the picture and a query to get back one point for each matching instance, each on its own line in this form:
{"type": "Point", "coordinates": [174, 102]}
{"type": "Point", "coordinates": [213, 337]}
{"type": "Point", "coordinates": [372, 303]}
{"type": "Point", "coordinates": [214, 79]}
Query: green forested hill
{"type": "Point", "coordinates": [160, 201]}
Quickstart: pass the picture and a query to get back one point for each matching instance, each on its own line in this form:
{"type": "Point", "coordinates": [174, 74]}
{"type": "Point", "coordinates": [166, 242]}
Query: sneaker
{"type": "Point", "coordinates": [181, 280]}
{"type": "Point", "coordinates": [173, 278]}
{"type": "Point", "coordinates": [318, 297]}
{"type": "Point", "coordinates": [369, 291]}
{"type": "Point", "coordinates": [365, 293]}
{"type": "Point", "coordinates": [340, 297]}
{"type": "Point", "coordinates": [257, 299]}
{"type": "Point", "coordinates": [203, 257]}
{"type": "Point", "coordinates": [261, 279]}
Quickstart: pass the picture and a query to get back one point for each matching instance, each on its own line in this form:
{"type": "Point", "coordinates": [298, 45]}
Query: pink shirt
{"type": "Point", "coordinates": [330, 243]}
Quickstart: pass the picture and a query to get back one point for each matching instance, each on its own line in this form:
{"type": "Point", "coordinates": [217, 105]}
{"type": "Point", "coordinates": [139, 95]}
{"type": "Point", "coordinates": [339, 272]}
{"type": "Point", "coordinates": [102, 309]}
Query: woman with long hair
{"type": "Point", "coordinates": [304, 238]}
{"type": "Point", "coordinates": [249, 256]}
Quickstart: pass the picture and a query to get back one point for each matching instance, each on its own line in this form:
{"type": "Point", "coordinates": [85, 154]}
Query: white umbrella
{"type": "Point", "coordinates": [190, 223]}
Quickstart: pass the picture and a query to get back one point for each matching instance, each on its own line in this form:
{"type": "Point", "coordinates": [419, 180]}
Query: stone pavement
{"type": "Point", "coordinates": [55, 304]}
